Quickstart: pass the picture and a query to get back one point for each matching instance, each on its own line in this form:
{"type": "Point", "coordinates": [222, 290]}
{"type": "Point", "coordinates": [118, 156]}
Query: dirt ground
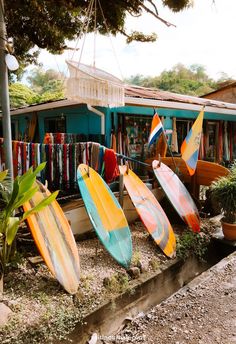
{"type": "Point", "coordinates": [203, 312]}
{"type": "Point", "coordinates": [43, 311]}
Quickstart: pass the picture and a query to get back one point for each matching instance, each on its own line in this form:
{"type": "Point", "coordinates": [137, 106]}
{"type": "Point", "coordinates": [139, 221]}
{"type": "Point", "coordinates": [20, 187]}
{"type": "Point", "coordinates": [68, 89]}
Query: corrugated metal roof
{"type": "Point", "coordinates": [151, 93]}
{"type": "Point", "coordinates": [142, 95]}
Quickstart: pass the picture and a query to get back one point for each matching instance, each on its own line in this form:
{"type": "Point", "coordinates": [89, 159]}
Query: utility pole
{"type": "Point", "coordinates": [4, 92]}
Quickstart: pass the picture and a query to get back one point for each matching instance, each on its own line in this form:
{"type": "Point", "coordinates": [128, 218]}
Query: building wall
{"type": "Point", "coordinates": [227, 95]}
{"type": "Point", "coordinates": [79, 120]}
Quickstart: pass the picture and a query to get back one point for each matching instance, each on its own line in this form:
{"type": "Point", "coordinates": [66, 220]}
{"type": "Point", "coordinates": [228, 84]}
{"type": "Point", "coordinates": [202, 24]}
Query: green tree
{"type": "Point", "coordinates": [47, 24]}
{"type": "Point", "coordinates": [21, 95]}
{"type": "Point", "coordinates": [180, 79]}
{"type": "Point", "coordinates": [47, 84]}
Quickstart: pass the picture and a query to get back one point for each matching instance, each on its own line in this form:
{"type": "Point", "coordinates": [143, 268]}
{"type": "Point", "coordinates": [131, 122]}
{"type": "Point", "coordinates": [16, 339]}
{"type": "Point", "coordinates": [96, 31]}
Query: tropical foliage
{"type": "Point", "coordinates": [43, 86]}
{"type": "Point", "coordinates": [180, 79]}
{"type": "Point", "coordinates": [21, 95]}
{"type": "Point", "coordinates": [47, 84]}
{"type": "Point", "coordinates": [223, 193]}
{"type": "Point", "coordinates": [12, 197]}
{"type": "Point", "coordinates": [47, 24]}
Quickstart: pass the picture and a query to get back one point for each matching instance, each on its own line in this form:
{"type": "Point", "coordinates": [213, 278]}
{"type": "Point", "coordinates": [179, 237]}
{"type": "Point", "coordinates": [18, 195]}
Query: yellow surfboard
{"type": "Point", "coordinates": [105, 214]}
{"type": "Point", "coordinates": [55, 241]}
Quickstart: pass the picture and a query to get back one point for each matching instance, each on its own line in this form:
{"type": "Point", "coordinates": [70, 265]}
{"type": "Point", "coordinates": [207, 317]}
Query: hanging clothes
{"type": "Point", "coordinates": [174, 138]}
{"type": "Point", "coordinates": [226, 143]}
{"type": "Point", "coordinates": [113, 142]}
{"type": "Point", "coordinates": [111, 167]}
{"type": "Point", "coordinates": [95, 155]}
{"type": "Point", "coordinates": [32, 127]}
{"type": "Point", "coordinates": [201, 148]}
{"type": "Point", "coordinates": [231, 142]}
{"type": "Point", "coordinates": [220, 142]}
{"type": "Point", "coordinates": [234, 140]}
{"type": "Point", "coordinates": [120, 146]}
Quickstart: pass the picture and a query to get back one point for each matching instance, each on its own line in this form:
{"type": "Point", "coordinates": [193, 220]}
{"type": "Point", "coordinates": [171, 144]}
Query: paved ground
{"type": "Point", "coordinates": [203, 312]}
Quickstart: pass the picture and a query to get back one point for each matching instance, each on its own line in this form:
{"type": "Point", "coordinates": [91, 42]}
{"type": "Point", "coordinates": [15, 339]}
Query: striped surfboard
{"type": "Point", "coordinates": [177, 194]}
{"type": "Point", "coordinates": [55, 241]}
{"type": "Point", "coordinates": [150, 212]}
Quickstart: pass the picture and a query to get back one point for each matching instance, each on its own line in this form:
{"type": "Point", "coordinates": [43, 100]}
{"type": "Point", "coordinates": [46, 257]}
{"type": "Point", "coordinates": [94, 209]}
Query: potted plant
{"type": "Point", "coordinates": [223, 194]}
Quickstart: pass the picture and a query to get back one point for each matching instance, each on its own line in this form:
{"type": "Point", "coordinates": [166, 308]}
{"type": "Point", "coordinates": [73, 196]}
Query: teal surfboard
{"type": "Point", "coordinates": [106, 215]}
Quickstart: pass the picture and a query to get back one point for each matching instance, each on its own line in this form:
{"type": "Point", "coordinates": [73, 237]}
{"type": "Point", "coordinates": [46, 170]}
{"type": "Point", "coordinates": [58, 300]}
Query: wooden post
{"type": "Point", "coordinates": [121, 190]}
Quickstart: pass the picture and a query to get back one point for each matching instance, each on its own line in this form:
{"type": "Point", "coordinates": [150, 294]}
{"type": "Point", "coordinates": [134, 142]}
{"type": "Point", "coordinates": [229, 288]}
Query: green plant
{"type": "Point", "coordinates": [154, 263]}
{"type": "Point", "coordinates": [192, 243]}
{"type": "Point", "coordinates": [116, 283]}
{"type": "Point", "coordinates": [223, 195]}
{"type": "Point", "coordinates": [12, 198]}
{"type": "Point", "coordinates": [136, 258]}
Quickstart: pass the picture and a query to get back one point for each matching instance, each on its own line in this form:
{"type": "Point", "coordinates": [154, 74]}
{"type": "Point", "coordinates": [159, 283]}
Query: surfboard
{"type": "Point", "coordinates": [206, 171]}
{"type": "Point", "coordinates": [106, 215]}
{"type": "Point", "coordinates": [55, 241]}
{"type": "Point", "coordinates": [150, 212]}
{"type": "Point", "coordinates": [177, 194]}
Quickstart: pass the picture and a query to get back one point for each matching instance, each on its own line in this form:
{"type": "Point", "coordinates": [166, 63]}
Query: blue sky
{"type": "Point", "coordinates": [203, 35]}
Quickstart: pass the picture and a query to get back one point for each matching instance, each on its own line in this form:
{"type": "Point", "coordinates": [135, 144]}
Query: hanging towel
{"type": "Point", "coordinates": [231, 141]}
{"type": "Point", "coordinates": [234, 140]}
{"type": "Point", "coordinates": [19, 159]}
{"type": "Point", "coordinates": [174, 138]}
{"type": "Point", "coordinates": [201, 148]}
{"type": "Point", "coordinates": [226, 143]}
{"type": "Point", "coordinates": [101, 160]}
{"type": "Point", "coordinates": [111, 167]}
{"type": "Point", "coordinates": [220, 146]}
{"type": "Point", "coordinates": [113, 142]}
{"type": "Point", "coordinates": [95, 155]}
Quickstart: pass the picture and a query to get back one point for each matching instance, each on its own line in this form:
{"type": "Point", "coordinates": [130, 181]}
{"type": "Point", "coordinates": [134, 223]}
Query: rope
{"type": "Point", "coordinates": [105, 22]}
{"type": "Point", "coordinates": [86, 16]}
{"type": "Point", "coordinates": [95, 33]}
{"type": "Point", "coordinates": [86, 30]}
{"type": "Point", "coordinates": [122, 156]}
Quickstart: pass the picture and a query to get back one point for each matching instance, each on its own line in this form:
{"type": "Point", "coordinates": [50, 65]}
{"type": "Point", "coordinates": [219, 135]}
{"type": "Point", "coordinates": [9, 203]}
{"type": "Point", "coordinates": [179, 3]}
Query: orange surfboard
{"type": "Point", "coordinates": [55, 241]}
{"type": "Point", "coordinates": [150, 212]}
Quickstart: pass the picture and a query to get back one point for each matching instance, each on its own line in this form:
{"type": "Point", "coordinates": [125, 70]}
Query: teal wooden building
{"type": "Point", "coordinates": [132, 121]}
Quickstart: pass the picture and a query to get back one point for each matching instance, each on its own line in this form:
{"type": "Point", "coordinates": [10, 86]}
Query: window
{"type": "Point", "coordinates": [55, 124]}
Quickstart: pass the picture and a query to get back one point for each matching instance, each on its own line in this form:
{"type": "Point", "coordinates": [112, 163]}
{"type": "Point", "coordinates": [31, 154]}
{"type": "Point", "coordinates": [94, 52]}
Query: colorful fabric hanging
{"type": "Point", "coordinates": [111, 167]}
{"type": "Point", "coordinates": [201, 149]}
{"type": "Point", "coordinates": [234, 140]}
{"type": "Point", "coordinates": [113, 142]}
{"type": "Point", "coordinates": [62, 161]}
{"type": "Point", "coordinates": [174, 138]}
{"type": "Point", "coordinates": [95, 155]}
{"type": "Point", "coordinates": [220, 142]}
{"type": "Point", "coordinates": [231, 142]}
{"type": "Point", "coordinates": [226, 143]}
